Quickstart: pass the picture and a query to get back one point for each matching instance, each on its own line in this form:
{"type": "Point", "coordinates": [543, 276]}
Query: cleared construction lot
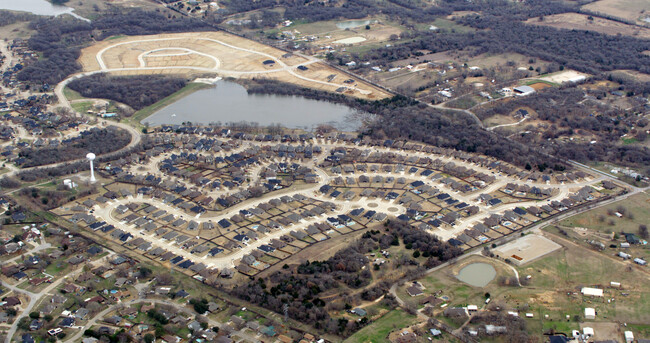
{"type": "Point", "coordinates": [527, 249]}
{"type": "Point", "coordinates": [220, 53]}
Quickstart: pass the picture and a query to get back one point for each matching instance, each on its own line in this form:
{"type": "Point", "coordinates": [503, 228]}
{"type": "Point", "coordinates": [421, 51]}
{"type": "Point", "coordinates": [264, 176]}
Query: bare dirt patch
{"type": "Point", "coordinates": [527, 249]}
{"type": "Point", "coordinates": [539, 85]}
{"type": "Point", "coordinates": [219, 53]}
{"type": "Point", "coordinates": [603, 331]}
{"type": "Point", "coordinates": [564, 76]}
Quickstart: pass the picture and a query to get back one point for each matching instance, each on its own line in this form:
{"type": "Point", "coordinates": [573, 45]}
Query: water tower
{"type": "Point", "coordinates": [91, 158]}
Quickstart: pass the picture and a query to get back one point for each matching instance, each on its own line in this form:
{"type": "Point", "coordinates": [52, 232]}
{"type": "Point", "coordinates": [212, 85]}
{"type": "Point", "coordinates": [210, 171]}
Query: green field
{"type": "Point", "coordinates": [555, 283]}
{"type": "Point", "coordinates": [553, 292]}
{"type": "Point", "coordinates": [532, 82]}
{"type": "Point", "coordinates": [71, 95]}
{"type": "Point", "coordinates": [465, 102]}
{"type": "Point", "coordinates": [82, 106]}
{"type": "Point", "coordinates": [378, 330]}
{"type": "Point", "coordinates": [446, 24]}
{"type": "Point", "coordinates": [637, 212]}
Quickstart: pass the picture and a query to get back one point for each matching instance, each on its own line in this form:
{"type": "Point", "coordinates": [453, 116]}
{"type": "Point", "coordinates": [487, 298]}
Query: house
{"type": "Point", "coordinates": [67, 322]}
{"type": "Point", "coordinates": [35, 325]}
{"type": "Point", "coordinates": [27, 338]}
{"type": "Point", "coordinates": [414, 291]}
{"type": "Point", "coordinates": [81, 313]}
{"type": "Point", "coordinates": [359, 312]}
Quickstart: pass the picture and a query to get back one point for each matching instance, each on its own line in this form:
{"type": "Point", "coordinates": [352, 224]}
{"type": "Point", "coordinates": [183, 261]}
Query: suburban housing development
{"type": "Point", "coordinates": [324, 171]}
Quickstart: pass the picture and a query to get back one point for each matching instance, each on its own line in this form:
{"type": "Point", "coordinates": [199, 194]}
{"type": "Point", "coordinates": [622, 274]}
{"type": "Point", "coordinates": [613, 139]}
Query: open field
{"type": "Point", "coordinates": [378, 331]}
{"type": "Point", "coordinates": [218, 53]}
{"type": "Point", "coordinates": [637, 210]}
{"type": "Point", "coordinates": [627, 9]}
{"type": "Point", "coordinates": [552, 293]}
{"type": "Point", "coordinates": [557, 278]}
{"type": "Point", "coordinates": [575, 21]}
{"type": "Point", "coordinates": [331, 31]}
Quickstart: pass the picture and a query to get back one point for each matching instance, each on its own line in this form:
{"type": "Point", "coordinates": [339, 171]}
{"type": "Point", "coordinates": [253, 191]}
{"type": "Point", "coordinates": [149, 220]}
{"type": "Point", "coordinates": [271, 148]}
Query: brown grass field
{"type": "Point", "coordinates": [581, 22]}
{"type": "Point", "coordinates": [627, 9]}
{"type": "Point", "coordinates": [220, 53]}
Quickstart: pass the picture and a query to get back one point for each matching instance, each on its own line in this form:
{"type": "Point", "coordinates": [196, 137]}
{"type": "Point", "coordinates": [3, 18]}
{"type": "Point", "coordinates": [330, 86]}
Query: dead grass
{"type": "Point", "coordinates": [581, 22]}
{"type": "Point", "coordinates": [627, 9]}
{"type": "Point", "coordinates": [16, 30]}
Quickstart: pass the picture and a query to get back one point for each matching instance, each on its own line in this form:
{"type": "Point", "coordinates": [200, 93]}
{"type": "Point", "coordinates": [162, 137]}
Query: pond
{"type": "Point", "coordinates": [38, 7]}
{"type": "Point", "coordinates": [229, 102]}
{"type": "Point", "coordinates": [353, 23]}
{"type": "Point", "coordinates": [477, 274]}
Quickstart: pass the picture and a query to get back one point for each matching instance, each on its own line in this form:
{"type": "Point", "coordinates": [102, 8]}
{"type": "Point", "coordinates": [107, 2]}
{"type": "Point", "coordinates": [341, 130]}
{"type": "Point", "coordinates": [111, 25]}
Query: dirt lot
{"type": "Point", "coordinates": [564, 76]}
{"type": "Point", "coordinates": [220, 53]}
{"type": "Point", "coordinates": [527, 249]}
{"type": "Point", "coordinates": [626, 9]}
{"type": "Point", "coordinates": [581, 22]}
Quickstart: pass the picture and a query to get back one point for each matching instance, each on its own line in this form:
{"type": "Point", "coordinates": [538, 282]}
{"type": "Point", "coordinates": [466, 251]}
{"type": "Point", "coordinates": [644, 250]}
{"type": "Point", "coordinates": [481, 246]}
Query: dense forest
{"type": "Point", "coordinates": [135, 91]}
{"type": "Point", "coordinates": [98, 141]}
{"type": "Point", "coordinates": [302, 287]}
{"type": "Point", "coordinates": [60, 39]}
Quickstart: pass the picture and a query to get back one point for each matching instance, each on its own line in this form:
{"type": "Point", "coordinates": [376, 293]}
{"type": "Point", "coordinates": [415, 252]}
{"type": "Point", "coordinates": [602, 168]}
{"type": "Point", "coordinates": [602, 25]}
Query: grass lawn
{"type": "Point", "coordinates": [149, 110]}
{"type": "Point", "coordinates": [629, 140]}
{"type": "Point", "coordinates": [464, 102]}
{"type": "Point", "coordinates": [378, 330]}
{"type": "Point", "coordinates": [55, 268]}
{"type": "Point", "coordinates": [71, 94]}
{"type": "Point", "coordinates": [446, 24]}
{"type": "Point", "coordinates": [528, 83]}
{"type": "Point", "coordinates": [82, 106]}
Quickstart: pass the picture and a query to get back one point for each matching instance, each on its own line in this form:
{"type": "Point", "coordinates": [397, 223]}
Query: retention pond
{"type": "Point", "coordinates": [477, 274]}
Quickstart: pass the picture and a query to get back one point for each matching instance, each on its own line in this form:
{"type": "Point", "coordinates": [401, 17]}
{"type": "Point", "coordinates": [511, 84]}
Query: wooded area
{"type": "Point", "coordinates": [136, 91]}
{"type": "Point", "coordinates": [301, 287]}
{"type": "Point", "coordinates": [98, 141]}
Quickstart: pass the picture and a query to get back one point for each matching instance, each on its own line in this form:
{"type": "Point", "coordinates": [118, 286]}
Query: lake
{"type": "Point", "coordinates": [38, 7]}
{"type": "Point", "coordinates": [477, 274]}
{"type": "Point", "coordinates": [352, 24]}
{"type": "Point", "coordinates": [229, 102]}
